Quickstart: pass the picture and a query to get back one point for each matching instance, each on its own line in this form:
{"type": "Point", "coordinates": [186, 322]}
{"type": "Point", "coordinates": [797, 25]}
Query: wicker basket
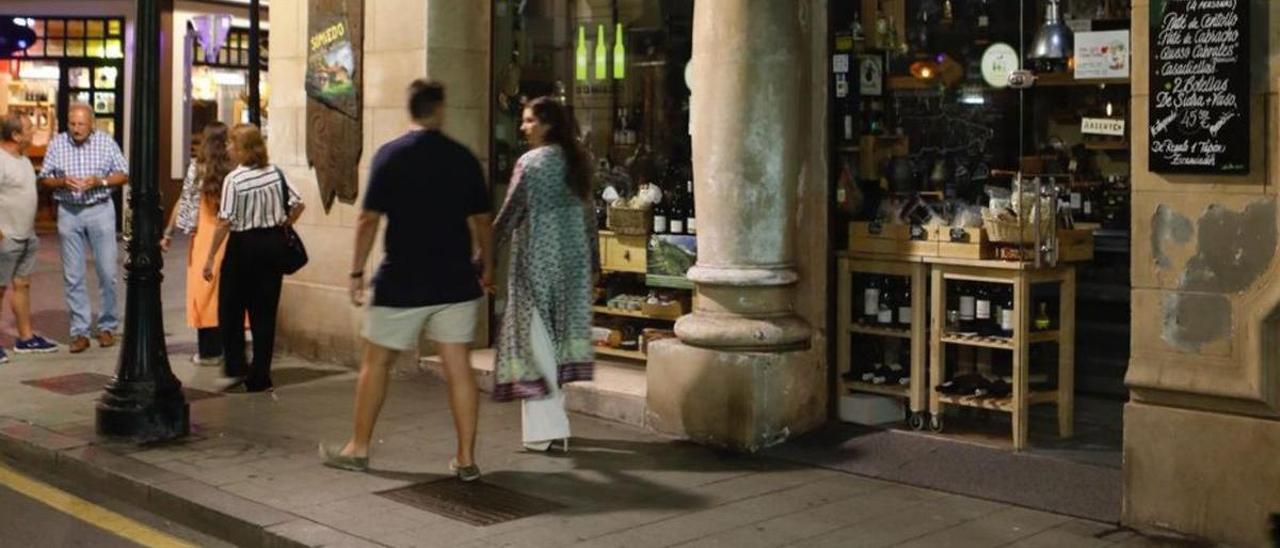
{"type": "Point", "coordinates": [627, 221]}
{"type": "Point", "coordinates": [1012, 232]}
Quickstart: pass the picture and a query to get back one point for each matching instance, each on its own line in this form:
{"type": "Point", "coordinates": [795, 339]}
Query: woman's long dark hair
{"type": "Point", "coordinates": [212, 161]}
{"type": "Point", "coordinates": [562, 130]}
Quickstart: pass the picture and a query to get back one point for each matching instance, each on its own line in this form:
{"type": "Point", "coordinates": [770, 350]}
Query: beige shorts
{"type": "Point", "coordinates": [398, 328]}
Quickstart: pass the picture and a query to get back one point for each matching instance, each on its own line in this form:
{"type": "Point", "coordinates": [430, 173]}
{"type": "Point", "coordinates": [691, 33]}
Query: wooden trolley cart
{"type": "Point", "coordinates": [916, 336]}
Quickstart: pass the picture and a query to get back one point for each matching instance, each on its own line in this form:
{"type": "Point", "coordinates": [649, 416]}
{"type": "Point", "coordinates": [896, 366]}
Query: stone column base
{"type": "Point", "coordinates": [742, 401]}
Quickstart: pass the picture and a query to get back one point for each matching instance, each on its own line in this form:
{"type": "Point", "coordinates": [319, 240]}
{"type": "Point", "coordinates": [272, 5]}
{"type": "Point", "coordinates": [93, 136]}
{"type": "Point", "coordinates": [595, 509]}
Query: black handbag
{"type": "Point", "coordinates": [294, 255]}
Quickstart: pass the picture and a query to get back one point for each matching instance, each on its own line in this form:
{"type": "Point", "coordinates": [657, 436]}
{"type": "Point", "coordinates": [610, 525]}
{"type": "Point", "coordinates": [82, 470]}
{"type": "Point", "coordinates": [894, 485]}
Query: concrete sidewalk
{"type": "Point", "coordinates": [249, 473]}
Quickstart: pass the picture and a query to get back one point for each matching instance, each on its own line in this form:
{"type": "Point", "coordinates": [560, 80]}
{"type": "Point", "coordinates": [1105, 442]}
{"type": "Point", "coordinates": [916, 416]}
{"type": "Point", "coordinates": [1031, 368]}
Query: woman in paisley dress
{"type": "Point", "coordinates": [545, 338]}
{"type": "Point", "coordinates": [197, 212]}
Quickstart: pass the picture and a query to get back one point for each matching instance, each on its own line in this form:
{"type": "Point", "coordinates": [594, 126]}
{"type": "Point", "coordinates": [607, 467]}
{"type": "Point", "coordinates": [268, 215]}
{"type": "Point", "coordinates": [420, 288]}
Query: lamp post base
{"type": "Point", "coordinates": [137, 412]}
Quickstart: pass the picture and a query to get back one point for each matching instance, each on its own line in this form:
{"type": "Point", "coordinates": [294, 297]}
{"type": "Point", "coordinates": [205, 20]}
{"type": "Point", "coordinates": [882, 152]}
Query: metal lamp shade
{"type": "Point", "coordinates": [1054, 39]}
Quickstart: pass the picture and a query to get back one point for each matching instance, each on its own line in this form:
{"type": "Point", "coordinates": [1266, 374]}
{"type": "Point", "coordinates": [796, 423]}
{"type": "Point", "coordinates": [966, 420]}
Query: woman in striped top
{"type": "Point", "coordinates": [253, 212]}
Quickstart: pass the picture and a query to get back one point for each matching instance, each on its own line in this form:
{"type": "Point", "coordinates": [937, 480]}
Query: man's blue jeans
{"type": "Point", "coordinates": [81, 229]}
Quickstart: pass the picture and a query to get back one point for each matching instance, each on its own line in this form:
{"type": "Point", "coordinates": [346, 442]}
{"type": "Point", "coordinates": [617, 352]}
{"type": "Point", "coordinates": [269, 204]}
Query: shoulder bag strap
{"type": "Point", "coordinates": [284, 190]}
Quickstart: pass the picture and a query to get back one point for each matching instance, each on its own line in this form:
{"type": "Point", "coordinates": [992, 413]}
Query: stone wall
{"type": "Point", "coordinates": [1201, 432]}
{"type": "Point", "coordinates": [316, 318]}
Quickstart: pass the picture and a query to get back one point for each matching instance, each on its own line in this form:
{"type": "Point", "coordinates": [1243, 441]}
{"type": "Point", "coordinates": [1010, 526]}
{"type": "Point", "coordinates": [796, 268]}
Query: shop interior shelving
{"type": "Point", "coordinates": [628, 255]}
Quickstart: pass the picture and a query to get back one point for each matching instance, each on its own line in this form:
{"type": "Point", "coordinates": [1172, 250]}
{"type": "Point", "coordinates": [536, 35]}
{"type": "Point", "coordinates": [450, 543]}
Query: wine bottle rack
{"type": "Point", "coordinates": [1021, 276]}
{"type": "Point", "coordinates": [916, 335]}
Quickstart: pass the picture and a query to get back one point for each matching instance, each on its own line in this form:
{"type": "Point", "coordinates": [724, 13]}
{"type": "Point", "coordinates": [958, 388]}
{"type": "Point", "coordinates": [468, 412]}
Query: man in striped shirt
{"type": "Point", "coordinates": [83, 166]}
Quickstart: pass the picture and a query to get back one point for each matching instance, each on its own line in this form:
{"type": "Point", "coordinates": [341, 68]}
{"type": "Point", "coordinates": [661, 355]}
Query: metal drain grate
{"type": "Point", "coordinates": [71, 385]}
{"type": "Point", "coordinates": [475, 503]}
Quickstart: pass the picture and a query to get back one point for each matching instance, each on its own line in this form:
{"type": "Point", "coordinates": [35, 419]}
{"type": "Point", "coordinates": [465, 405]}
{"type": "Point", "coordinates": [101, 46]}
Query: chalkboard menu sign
{"type": "Point", "coordinates": [1199, 103]}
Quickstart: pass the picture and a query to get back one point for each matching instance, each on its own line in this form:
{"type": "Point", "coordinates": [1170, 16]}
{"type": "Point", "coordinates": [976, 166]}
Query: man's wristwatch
{"type": "Point", "coordinates": [102, 182]}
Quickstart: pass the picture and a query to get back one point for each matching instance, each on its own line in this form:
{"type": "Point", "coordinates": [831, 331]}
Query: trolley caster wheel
{"type": "Point", "coordinates": [935, 423]}
{"type": "Point", "coordinates": [916, 422]}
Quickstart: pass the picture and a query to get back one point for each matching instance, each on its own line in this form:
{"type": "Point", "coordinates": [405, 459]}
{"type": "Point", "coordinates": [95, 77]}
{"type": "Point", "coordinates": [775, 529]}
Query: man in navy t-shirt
{"type": "Point", "coordinates": [432, 192]}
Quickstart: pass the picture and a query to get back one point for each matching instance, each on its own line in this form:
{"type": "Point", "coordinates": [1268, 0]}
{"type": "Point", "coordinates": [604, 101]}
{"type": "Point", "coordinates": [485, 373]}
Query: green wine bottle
{"type": "Point", "coordinates": [1042, 318]}
{"type": "Point", "coordinates": [619, 55]}
{"type": "Point", "coordinates": [602, 55]}
{"type": "Point", "coordinates": [580, 57]}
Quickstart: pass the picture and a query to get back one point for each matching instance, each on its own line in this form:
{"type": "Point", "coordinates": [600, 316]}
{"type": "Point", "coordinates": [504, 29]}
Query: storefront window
{"type": "Point", "coordinates": [73, 60]}
{"type": "Point", "coordinates": [620, 67]}
{"type": "Point", "coordinates": [83, 37]}
{"type": "Point", "coordinates": [234, 53]}
{"type": "Point", "coordinates": [964, 131]}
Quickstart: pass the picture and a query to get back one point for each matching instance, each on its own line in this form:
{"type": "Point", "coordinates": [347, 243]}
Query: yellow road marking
{"type": "Point", "coordinates": [86, 511]}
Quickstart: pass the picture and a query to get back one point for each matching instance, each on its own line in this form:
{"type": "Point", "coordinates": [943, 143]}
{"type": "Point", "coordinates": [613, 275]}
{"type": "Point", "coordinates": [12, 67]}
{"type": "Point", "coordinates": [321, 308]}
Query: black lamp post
{"type": "Point", "coordinates": [144, 402]}
{"type": "Point", "coordinates": [255, 61]}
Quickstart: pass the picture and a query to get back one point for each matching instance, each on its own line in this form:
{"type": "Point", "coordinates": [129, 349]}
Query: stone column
{"type": "Point", "coordinates": [740, 375]}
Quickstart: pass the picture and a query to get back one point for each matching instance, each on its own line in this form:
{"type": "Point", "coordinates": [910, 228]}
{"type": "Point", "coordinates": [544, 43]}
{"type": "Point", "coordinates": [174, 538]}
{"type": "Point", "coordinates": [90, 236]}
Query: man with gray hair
{"type": "Point", "coordinates": [83, 165]}
{"type": "Point", "coordinates": [18, 241]}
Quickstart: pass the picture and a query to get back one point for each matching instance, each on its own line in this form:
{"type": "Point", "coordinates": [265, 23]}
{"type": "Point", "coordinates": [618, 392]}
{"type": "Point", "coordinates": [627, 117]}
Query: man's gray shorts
{"type": "Point", "coordinates": [17, 258]}
{"type": "Point", "coordinates": [399, 328]}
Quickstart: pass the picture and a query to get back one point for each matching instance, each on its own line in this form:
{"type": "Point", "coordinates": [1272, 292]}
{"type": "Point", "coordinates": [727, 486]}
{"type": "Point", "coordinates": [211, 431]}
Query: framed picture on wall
{"type": "Point", "coordinates": [870, 75]}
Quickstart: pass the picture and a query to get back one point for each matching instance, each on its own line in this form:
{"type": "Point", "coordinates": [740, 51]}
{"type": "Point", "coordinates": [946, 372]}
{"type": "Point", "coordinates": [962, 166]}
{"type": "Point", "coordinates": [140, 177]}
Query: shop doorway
{"type": "Point", "coordinates": [938, 140]}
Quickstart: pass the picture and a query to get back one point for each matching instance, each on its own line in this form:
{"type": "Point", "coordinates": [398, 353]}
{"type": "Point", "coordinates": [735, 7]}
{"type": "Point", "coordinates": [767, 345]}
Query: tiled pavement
{"type": "Point", "coordinates": [249, 473]}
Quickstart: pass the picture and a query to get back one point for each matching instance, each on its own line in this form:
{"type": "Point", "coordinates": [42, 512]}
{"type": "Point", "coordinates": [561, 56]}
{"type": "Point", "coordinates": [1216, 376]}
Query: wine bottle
{"type": "Point", "coordinates": [888, 303]}
{"type": "Point", "coordinates": [871, 300]}
{"type": "Point", "coordinates": [660, 215]}
{"type": "Point", "coordinates": [904, 303]}
{"type": "Point", "coordinates": [1006, 314]}
{"type": "Point", "coordinates": [1042, 319]}
{"type": "Point", "coordinates": [602, 55]}
{"type": "Point", "coordinates": [968, 307]}
{"type": "Point", "coordinates": [675, 214]}
{"type": "Point", "coordinates": [619, 55]}
{"type": "Point", "coordinates": [982, 310]}
{"type": "Point", "coordinates": [690, 217]}
{"type": "Point", "coordinates": [580, 56]}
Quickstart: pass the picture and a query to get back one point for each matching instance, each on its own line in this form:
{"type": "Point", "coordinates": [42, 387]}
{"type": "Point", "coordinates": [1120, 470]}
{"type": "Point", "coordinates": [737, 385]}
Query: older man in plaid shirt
{"type": "Point", "coordinates": [83, 166]}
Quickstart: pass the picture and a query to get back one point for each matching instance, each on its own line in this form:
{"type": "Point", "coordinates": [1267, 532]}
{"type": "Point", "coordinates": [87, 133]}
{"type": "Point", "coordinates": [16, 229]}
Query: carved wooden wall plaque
{"type": "Point", "coordinates": [335, 72]}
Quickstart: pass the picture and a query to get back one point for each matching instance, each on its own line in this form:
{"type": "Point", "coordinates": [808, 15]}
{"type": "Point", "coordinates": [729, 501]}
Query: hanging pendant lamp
{"type": "Point", "coordinates": [1054, 39]}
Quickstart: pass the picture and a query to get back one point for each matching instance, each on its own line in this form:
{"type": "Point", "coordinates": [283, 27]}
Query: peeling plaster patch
{"type": "Point", "coordinates": [1167, 224]}
{"type": "Point", "coordinates": [1193, 320]}
{"type": "Point", "coordinates": [1234, 249]}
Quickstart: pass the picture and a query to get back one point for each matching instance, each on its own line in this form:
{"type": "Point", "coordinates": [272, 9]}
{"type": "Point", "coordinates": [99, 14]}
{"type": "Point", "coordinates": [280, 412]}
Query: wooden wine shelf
{"type": "Point", "coordinates": [868, 329]}
{"type": "Point", "coordinates": [1005, 404]}
{"type": "Point", "coordinates": [629, 314]}
{"type": "Point", "coordinates": [915, 337]}
{"type": "Point", "coordinates": [668, 282]}
{"type": "Point", "coordinates": [1021, 276]}
{"type": "Point", "coordinates": [895, 390]}
{"type": "Point", "coordinates": [1004, 343]}
{"type": "Point", "coordinates": [1062, 79]}
{"type": "Point", "coordinates": [619, 353]}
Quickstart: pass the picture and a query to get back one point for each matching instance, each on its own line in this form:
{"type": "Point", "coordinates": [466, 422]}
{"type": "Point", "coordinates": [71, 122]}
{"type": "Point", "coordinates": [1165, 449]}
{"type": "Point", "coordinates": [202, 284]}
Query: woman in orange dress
{"type": "Point", "coordinates": [197, 212]}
